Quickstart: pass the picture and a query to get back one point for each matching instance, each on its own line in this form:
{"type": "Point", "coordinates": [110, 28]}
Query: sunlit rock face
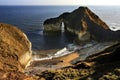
{"type": "Point", "coordinates": [15, 48]}
{"type": "Point", "coordinates": [84, 23]}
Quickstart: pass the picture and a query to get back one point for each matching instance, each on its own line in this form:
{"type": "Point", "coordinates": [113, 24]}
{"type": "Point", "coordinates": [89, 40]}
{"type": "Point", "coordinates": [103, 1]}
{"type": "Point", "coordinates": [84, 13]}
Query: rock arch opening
{"type": "Point", "coordinates": [62, 27]}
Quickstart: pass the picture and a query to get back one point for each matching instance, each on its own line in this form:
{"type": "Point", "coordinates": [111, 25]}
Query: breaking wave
{"type": "Point", "coordinates": [66, 50]}
{"type": "Point", "coordinates": [59, 53]}
{"type": "Point", "coordinates": [114, 26]}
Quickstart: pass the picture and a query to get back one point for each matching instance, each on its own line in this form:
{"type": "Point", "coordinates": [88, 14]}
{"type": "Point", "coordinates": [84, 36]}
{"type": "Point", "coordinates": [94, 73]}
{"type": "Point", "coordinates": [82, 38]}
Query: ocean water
{"type": "Point", "coordinates": [109, 14]}
{"type": "Point", "coordinates": [30, 20]}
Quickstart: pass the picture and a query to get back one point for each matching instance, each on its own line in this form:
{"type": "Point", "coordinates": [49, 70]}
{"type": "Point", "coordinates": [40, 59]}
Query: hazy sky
{"type": "Point", "coordinates": [59, 2]}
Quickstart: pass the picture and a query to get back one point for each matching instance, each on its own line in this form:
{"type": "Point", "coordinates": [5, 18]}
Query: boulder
{"type": "Point", "coordinates": [84, 23]}
{"type": "Point", "coordinates": [15, 48]}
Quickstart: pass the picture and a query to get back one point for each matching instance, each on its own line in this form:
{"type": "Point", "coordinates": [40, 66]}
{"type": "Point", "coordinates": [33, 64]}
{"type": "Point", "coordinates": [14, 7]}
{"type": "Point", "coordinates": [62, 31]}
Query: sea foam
{"type": "Point", "coordinates": [114, 26]}
{"type": "Point", "coordinates": [59, 53]}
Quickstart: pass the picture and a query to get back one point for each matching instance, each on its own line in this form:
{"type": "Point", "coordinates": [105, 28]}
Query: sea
{"type": "Point", "coordinates": [30, 20]}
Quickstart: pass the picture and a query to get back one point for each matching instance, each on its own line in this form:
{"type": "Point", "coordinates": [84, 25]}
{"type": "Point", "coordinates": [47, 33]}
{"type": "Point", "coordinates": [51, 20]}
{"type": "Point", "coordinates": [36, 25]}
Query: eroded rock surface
{"type": "Point", "coordinates": [15, 49]}
{"type": "Point", "coordinates": [104, 65]}
{"type": "Point", "coordinates": [84, 23]}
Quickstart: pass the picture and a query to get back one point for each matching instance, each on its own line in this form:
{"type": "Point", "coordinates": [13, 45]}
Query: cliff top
{"type": "Point", "coordinates": [15, 48]}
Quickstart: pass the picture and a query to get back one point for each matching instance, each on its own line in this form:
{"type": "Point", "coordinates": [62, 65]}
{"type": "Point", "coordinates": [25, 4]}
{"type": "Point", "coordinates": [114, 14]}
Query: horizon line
{"type": "Point", "coordinates": [53, 5]}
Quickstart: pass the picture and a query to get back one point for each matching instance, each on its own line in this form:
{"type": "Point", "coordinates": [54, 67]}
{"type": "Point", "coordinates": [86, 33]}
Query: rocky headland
{"type": "Point", "coordinates": [84, 23]}
{"type": "Point", "coordinates": [100, 61]}
{"type": "Point", "coordinates": [96, 59]}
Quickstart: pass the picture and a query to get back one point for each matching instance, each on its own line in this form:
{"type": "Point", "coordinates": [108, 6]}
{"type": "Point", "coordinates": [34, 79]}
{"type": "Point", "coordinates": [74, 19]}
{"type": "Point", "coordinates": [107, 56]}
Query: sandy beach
{"type": "Point", "coordinates": [52, 64]}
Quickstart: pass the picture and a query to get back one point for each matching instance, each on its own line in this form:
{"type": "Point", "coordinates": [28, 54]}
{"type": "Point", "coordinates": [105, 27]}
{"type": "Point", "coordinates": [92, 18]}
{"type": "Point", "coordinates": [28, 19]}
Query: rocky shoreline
{"type": "Point", "coordinates": [38, 66]}
{"type": "Point", "coordinates": [87, 26]}
{"type": "Point", "coordinates": [94, 57]}
{"type": "Point", "coordinates": [99, 66]}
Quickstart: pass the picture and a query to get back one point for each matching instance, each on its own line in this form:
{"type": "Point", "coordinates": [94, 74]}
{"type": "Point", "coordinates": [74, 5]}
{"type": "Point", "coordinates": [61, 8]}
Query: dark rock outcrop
{"type": "Point", "coordinates": [15, 48]}
{"type": "Point", "coordinates": [84, 23]}
{"type": "Point", "coordinates": [104, 65]}
{"type": "Point", "coordinates": [109, 55]}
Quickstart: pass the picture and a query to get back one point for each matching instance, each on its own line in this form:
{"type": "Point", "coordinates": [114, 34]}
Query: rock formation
{"type": "Point", "coordinates": [84, 23]}
{"type": "Point", "coordinates": [14, 75]}
{"type": "Point", "coordinates": [15, 49]}
{"type": "Point", "coordinates": [104, 65]}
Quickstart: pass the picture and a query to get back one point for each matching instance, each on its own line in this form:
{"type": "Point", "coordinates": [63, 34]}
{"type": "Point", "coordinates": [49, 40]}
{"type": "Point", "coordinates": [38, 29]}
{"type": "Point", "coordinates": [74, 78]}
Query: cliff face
{"type": "Point", "coordinates": [84, 23]}
{"type": "Point", "coordinates": [15, 48]}
{"type": "Point", "coordinates": [104, 65]}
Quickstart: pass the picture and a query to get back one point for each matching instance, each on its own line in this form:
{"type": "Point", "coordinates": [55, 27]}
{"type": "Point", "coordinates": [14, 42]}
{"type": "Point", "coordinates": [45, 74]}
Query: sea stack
{"type": "Point", "coordinates": [84, 23]}
{"type": "Point", "coordinates": [15, 48]}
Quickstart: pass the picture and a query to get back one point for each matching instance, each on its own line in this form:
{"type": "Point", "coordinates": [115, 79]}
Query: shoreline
{"type": "Point", "coordinates": [52, 64]}
{"type": "Point", "coordinates": [50, 54]}
{"type": "Point", "coordinates": [47, 59]}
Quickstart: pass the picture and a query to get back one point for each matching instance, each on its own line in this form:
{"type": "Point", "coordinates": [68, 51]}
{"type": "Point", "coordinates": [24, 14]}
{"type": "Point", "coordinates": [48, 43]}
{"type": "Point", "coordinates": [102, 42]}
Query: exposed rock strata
{"type": "Point", "coordinates": [15, 48]}
{"type": "Point", "coordinates": [104, 65]}
{"type": "Point", "coordinates": [84, 23]}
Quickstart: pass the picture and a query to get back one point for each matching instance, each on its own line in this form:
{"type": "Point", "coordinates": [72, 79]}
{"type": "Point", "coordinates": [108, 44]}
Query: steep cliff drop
{"type": "Point", "coordinates": [84, 23]}
{"type": "Point", "coordinates": [15, 52]}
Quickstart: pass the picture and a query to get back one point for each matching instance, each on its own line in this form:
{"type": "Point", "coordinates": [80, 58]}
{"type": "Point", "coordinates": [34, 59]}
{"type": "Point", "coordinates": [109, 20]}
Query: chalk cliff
{"type": "Point", "coordinates": [84, 23]}
{"type": "Point", "coordinates": [15, 48]}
